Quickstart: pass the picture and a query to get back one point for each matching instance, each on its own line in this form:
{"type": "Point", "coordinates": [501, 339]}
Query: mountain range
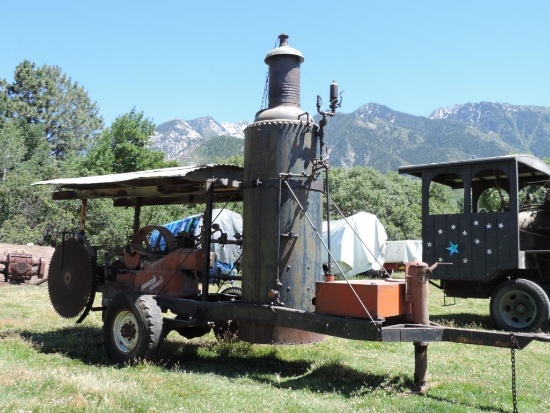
{"type": "Point", "coordinates": [377, 136]}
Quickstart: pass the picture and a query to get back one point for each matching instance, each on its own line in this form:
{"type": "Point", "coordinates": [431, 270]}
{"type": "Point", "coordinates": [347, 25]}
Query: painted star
{"type": "Point", "coordinates": [464, 232]}
{"type": "Point", "coordinates": [440, 231]}
{"type": "Point", "coordinates": [453, 226]}
{"type": "Point", "coordinates": [429, 244]}
{"type": "Point", "coordinates": [476, 223]}
{"type": "Point", "coordinates": [465, 260]}
{"type": "Point", "coordinates": [440, 259]}
{"type": "Point", "coordinates": [489, 252]}
{"type": "Point", "coordinates": [477, 241]}
{"type": "Point", "coordinates": [453, 248]}
{"type": "Point", "coordinates": [488, 226]}
{"type": "Point", "coordinates": [501, 225]}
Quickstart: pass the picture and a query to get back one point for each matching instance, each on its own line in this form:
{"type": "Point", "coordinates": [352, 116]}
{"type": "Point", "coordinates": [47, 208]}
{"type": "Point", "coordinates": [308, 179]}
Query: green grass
{"type": "Point", "coordinates": [48, 364]}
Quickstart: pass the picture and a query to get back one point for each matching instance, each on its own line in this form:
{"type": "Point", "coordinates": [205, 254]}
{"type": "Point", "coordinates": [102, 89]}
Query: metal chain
{"type": "Point", "coordinates": [514, 346]}
{"type": "Point", "coordinates": [266, 92]}
{"type": "Point", "coordinates": [266, 86]}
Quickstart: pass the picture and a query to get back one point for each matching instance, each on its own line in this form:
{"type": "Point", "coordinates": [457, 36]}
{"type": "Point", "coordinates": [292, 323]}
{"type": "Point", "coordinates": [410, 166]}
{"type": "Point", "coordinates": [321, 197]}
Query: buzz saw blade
{"type": "Point", "coordinates": [70, 279]}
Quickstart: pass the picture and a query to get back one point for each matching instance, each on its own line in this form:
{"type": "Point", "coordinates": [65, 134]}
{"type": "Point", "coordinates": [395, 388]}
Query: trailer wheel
{"type": "Point", "coordinates": [132, 327]}
{"type": "Point", "coordinates": [520, 305]}
{"type": "Point", "coordinates": [227, 330]}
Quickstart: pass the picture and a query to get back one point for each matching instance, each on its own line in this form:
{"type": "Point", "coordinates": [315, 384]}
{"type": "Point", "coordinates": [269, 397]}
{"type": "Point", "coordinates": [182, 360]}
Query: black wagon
{"type": "Point", "coordinates": [498, 245]}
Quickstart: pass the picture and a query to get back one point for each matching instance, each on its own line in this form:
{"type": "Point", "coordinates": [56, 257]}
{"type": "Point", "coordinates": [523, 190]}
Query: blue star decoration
{"type": "Point", "coordinates": [453, 248]}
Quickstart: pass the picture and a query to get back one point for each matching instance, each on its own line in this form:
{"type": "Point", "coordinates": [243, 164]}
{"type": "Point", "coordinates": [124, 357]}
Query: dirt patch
{"type": "Point", "coordinates": [35, 250]}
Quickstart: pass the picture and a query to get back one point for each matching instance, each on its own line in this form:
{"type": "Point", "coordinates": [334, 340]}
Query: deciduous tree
{"type": "Point", "coordinates": [124, 147]}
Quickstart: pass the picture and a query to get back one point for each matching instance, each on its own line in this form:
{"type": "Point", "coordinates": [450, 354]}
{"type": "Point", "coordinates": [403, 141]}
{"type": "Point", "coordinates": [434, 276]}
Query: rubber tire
{"type": "Point", "coordinates": [227, 330]}
{"type": "Point", "coordinates": [512, 296]}
{"type": "Point", "coordinates": [142, 315]}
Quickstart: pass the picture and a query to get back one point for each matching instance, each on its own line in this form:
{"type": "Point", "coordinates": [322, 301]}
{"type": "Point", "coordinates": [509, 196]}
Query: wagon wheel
{"type": "Point", "coordinates": [132, 327]}
{"type": "Point", "coordinates": [520, 305]}
{"type": "Point", "coordinates": [227, 330]}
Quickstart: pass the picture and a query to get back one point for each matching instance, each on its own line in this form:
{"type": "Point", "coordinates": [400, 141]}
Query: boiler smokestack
{"type": "Point", "coordinates": [284, 74]}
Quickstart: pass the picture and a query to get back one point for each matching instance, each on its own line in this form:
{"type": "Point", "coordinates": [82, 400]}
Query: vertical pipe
{"type": "Point", "coordinates": [417, 295]}
{"type": "Point", "coordinates": [207, 238]}
{"type": "Point", "coordinates": [327, 194]}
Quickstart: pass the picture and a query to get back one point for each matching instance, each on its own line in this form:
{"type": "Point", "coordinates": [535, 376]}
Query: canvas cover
{"type": "Point", "coordinates": [353, 254]}
{"type": "Point", "coordinates": [401, 252]}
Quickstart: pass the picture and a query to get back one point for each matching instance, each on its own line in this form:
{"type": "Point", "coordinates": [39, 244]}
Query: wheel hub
{"type": "Point", "coordinates": [520, 309]}
{"type": "Point", "coordinates": [128, 331]}
{"type": "Point", "coordinates": [125, 331]}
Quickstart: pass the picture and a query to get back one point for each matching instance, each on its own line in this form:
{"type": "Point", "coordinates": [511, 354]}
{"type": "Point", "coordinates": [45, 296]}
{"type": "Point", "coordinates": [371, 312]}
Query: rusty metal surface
{"type": "Point", "coordinates": [281, 253]}
{"type": "Point", "coordinates": [413, 332]}
{"type": "Point", "coordinates": [19, 266]}
{"type": "Point", "coordinates": [418, 292]}
{"type": "Point", "coordinates": [380, 297]}
{"type": "Point", "coordinates": [279, 319]}
{"type": "Point", "coordinates": [339, 326]}
{"type": "Point", "coordinates": [70, 279]}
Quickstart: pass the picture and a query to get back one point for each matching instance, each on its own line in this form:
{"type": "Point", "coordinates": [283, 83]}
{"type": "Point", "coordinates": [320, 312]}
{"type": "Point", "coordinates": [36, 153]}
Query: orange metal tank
{"type": "Point", "coordinates": [381, 298]}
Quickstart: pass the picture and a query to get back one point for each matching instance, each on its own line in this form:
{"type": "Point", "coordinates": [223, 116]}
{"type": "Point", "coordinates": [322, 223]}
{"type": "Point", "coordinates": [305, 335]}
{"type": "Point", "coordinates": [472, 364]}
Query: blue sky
{"type": "Point", "coordinates": [187, 59]}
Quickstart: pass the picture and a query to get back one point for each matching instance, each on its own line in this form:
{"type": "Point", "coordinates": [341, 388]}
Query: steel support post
{"type": "Point", "coordinates": [417, 295]}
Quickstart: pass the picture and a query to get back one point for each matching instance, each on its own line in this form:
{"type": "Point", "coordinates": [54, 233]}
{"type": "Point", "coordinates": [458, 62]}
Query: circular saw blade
{"type": "Point", "coordinates": [70, 279]}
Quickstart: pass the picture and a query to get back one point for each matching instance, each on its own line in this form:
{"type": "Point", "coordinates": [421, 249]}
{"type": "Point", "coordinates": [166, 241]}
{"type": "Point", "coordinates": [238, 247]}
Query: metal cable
{"type": "Point", "coordinates": [332, 257]}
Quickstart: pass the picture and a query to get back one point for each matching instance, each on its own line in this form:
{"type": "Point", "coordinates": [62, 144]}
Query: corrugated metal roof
{"type": "Point", "coordinates": [175, 172]}
{"type": "Point", "coordinates": [184, 184]}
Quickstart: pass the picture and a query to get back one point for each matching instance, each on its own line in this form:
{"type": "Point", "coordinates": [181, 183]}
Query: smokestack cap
{"type": "Point", "coordinates": [284, 49]}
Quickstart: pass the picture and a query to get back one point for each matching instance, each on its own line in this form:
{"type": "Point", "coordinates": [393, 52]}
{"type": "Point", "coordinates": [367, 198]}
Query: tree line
{"type": "Point", "coordinates": [49, 128]}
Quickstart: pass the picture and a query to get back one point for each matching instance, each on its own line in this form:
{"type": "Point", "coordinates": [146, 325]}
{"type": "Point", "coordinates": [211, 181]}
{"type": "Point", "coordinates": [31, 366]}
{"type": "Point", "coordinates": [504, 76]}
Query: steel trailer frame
{"type": "Point", "coordinates": [222, 183]}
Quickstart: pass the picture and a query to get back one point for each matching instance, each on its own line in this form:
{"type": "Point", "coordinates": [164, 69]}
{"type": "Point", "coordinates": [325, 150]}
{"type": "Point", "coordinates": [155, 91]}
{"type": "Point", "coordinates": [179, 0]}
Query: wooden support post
{"type": "Point", "coordinates": [83, 208]}
{"type": "Point", "coordinates": [137, 216]}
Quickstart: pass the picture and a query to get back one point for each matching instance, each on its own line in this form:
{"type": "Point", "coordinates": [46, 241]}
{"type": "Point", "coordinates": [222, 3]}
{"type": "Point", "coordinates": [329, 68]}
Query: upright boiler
{"type": "Point", "coordinates": [282, 206]}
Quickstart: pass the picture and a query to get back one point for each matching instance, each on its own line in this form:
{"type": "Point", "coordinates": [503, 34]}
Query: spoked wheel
{"type": "Point", "coordinates": [132, 327]}
{"type": "Point", "coordinates": [227, 330]}
{"type": "Point", "coordinates": [520, 305]}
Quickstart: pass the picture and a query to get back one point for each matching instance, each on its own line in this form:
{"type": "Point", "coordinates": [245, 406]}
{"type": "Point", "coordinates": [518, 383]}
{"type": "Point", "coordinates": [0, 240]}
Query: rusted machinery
{"type": "Point", "coordinates": [161, 286]}
{"type": "Point", "coordinates": [19, 268]}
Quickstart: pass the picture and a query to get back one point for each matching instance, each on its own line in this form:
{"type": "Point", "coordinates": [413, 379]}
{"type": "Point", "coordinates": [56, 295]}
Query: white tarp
{"type": "Point", "coordinates": [231, 223]}
{"type": "Point", "coordinates": [398, 252]}
{"type": "Point", "coordinates": [356, 255]}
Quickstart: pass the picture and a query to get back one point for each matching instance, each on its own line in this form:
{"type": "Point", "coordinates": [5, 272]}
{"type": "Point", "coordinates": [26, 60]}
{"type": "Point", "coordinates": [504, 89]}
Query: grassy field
{"type": "Point", "coordinates": [48, 364]}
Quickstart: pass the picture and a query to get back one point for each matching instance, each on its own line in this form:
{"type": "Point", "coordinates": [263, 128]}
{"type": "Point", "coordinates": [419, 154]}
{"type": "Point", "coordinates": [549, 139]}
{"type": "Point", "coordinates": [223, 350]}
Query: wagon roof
{"type": "Point", "coordinates": [183, 184]}
{"type": "Point", "coordinates": [529, 168]}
